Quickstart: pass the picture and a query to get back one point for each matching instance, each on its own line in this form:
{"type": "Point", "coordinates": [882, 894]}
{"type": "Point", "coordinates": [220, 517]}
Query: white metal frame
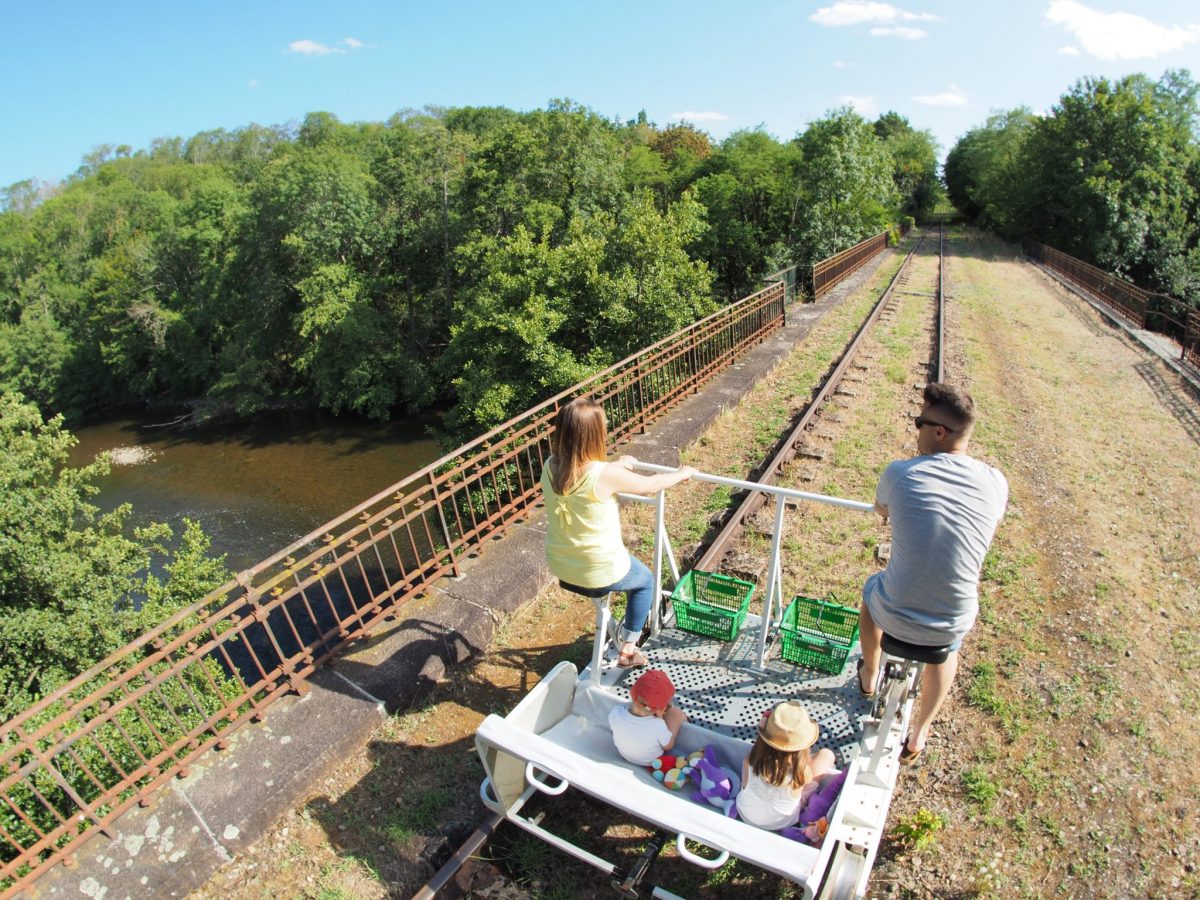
{"type": "Point", "coordinates": [856, 827]}
{"type": "Point", "coordinates": [774, 601]}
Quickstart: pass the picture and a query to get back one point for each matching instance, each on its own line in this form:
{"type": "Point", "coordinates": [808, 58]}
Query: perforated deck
{"type": "Point", "coordinates": [718, 689]}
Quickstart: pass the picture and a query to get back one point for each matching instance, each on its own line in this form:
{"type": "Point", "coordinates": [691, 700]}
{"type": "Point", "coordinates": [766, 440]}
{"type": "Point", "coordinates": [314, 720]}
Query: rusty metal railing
{"type": "Point", "coordinates": [1191, 340]}
{"type": "Point", "coordinates": [81, 756]}
{"type": "Point", "coordinates": [826, 273]}
{"type": "Point", "coordinates": [1153, 311]}
{"type": "Point", "coordinates": [1125, 299]}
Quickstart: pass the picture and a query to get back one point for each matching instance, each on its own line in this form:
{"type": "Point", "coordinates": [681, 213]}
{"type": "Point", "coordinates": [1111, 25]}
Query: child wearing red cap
{"type": "Point", "coordinates": [646, 729]}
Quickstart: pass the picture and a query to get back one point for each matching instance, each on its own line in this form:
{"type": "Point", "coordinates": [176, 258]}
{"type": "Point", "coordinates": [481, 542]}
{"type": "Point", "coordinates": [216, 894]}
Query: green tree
{"type": "Point", "coordinates": [847, 192]}
{"type": "Point", "coordinates": [33, 352]}
{"type": "Point", "coordinates": [75, 584]}
{"type": "Point", "coordinates": [748, 194]}
{"type": "Point", "coordinates": [542, 316]}
{"type": "Point", "coordinates": [914, 163]}
{"type": "Point", "coordinates": [1108, 174]}
{"type": "Point", "coordinates": [986, 173]}
{"type": "Point", "coordinates": [311, 208]}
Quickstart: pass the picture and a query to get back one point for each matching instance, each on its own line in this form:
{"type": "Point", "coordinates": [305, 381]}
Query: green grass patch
{"type": "Point", "coordinates": [918, 830]}
{"type": "Point", "coordinates": [981, 789]}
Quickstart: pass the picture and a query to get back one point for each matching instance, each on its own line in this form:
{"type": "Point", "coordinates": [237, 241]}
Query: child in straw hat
{"type": "Point", "coordinates": [781, 772]}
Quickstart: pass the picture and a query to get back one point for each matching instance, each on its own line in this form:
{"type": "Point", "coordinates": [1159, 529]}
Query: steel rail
{"type": "Point", "coordinates": [939, 366]}
{"type": "Point", "coordinates": [789, 447]}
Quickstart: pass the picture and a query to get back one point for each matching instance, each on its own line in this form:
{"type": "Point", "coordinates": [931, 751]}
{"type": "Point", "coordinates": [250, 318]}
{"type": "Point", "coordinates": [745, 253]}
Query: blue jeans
{"type": "Point", "coordinates": [638, 586]}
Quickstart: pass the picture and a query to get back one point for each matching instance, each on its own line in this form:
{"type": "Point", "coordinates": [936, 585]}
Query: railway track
{"type": "Point", "coordinates": [798, 439]}
{"type": "Point", "coordinates": [918, 277]}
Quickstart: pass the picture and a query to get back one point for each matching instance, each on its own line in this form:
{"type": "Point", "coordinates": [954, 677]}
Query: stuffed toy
{"type": "Point", "coordinates": [813, 833]}
{"type": "Point", "coordinates": [716, 784]}
{"type": "Point", "coordinates": [819, 803]}
{"type": "Point", "coordinates": [814, 821]}
{"type": "Point", "coordinates": [673, 770]}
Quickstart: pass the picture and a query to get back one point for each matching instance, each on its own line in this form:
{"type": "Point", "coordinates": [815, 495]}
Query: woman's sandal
{"type": "Point", "coordinates": [907, 756]}
{"type": "Point", "coordinates": [634, 660]}
{"type": "Point", "coordinates": [862, 690]}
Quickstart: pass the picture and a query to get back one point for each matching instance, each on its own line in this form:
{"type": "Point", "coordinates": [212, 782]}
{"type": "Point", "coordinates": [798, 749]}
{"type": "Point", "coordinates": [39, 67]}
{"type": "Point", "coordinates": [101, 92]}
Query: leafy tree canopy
{"type": "Point", "coordinates": [1110, 175]}
{"type": "Point", "coordinates": [344, 265]}
{"type": "Point", "coordinates": [75, 584]}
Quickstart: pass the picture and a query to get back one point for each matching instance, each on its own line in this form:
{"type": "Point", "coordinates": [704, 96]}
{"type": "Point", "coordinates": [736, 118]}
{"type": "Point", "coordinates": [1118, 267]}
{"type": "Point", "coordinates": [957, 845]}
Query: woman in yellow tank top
{"type": "Point", "coordinates": [583, 527]}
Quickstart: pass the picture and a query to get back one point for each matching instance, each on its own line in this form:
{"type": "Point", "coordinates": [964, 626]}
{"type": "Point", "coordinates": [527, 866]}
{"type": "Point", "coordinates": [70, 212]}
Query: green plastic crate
{"type": "Point", "coordinates": [818, 633]}
{"type": "Point", "coordinates": [711, 604]}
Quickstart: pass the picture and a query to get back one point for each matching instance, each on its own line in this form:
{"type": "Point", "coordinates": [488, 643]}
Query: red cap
{"type": "Point", "coordinates": [654, 689]}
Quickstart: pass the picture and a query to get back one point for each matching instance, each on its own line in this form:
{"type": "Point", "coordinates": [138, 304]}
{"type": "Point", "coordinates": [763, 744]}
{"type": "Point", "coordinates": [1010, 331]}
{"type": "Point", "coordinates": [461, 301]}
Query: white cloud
{"type": "Point", "coordinates": [311, 48]}
{"type": "Point", "coordinates": [315, 48]}
{"type": "Point", "coordinates": [1068, 51]}
{"type": "Point", "coordinates": [865, 106]}
{"type": "Point", "coordinates": [909, 34]}
{"type": "Point", "coordinates": [1119, 35]}
{"type": "Point", "coordinates": [951, 97]}
{"type": "Point", "coordinates": [838, 64]}
{"type": "Point", "coordinates": [253, 82]}
{"type": "Point", "coordinates": [860, 12]}
{"type": "Point", "coordinates": [690, 116]}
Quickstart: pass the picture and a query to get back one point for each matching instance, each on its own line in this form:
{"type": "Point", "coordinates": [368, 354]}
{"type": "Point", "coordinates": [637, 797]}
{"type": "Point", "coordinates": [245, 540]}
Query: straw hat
{"type": "Point", "coordinates": [789, 728]}
{"type": "Point", "coordinates": [654, 689]}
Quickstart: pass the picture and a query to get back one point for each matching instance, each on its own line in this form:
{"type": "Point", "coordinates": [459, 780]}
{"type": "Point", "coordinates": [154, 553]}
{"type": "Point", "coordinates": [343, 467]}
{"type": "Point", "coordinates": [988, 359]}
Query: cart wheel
{"type": "Point", "coordinates": [889, 671]}
{"type": "Point", "coordinates": [842, 875]}
{"type": "Point", "coordinates": [918, 676]}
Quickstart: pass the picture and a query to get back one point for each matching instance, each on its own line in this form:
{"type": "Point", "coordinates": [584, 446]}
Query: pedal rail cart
{"type": "Point", "coordinates": [557, 737]}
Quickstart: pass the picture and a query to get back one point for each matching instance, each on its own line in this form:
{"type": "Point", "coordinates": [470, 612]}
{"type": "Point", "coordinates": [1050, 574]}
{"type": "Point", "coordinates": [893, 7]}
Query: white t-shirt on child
{"type": "Point", "coordinates": [640, 739]}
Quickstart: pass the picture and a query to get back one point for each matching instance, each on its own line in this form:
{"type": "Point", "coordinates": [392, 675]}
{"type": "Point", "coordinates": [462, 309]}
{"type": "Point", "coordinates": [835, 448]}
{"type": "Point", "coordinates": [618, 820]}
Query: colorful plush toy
{"type": "Point", "coordinates": [716, 783]}
{"type": "Point", "coordinates": [673, 770]}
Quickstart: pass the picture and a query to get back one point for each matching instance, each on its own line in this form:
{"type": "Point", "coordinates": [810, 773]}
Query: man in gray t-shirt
{"type": "Point", "coordinates": [944, 507]}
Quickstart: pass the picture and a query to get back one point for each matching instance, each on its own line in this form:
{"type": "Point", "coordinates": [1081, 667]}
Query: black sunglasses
{"type": "Point", "coordinates": [921, 422]}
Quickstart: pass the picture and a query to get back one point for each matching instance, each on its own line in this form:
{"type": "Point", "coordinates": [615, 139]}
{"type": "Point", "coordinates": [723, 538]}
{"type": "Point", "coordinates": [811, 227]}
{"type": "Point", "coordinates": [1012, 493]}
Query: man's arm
{"type": "Point", "coordinates": [883, 491]}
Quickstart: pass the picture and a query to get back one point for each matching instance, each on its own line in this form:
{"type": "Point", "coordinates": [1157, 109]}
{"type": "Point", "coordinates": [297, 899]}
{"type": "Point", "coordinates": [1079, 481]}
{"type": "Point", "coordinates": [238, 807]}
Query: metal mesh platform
{"type": "Point", "coordinates": [718, 688]}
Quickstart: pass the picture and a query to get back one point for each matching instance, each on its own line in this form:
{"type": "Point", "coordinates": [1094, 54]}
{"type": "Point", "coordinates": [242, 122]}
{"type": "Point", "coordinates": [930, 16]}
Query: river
{"type": "Point", "coordinates": [254, 486]}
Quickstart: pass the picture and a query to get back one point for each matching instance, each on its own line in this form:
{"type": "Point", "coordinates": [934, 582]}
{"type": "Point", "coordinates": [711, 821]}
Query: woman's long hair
{"type": "Point", "coordinates": [778, 767]}
{"type": "Point", "coordinates": [578, 438]}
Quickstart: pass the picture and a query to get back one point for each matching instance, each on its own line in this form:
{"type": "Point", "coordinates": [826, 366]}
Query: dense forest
{"type": "Point", "coordinates": [473, 259]}
{"type": "Point", "coordinates": [1111, 175]}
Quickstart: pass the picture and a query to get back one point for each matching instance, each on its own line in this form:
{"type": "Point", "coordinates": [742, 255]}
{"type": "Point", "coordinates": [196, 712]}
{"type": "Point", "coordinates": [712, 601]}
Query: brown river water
{"type": "Point", "coordinates": [254, 486]}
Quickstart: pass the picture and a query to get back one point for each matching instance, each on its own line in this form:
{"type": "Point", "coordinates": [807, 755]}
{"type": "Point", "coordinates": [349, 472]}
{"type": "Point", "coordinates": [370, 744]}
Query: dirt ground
{"type": "Point", "coordinates": [1060, 765]}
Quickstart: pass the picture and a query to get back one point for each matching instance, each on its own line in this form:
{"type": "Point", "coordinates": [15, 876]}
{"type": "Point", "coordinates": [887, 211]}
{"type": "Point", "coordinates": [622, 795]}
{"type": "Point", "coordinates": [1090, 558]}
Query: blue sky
{"type": "Point", "coordinates": [77, 75]}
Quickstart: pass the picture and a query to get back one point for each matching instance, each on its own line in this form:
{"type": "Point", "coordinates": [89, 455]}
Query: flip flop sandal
{"type": "Point", "coordinates": [907, 756]}
{"type": "Point", "coordinates": [634, 660]}
{"type": "Point", "coordinates": [862, 690]}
